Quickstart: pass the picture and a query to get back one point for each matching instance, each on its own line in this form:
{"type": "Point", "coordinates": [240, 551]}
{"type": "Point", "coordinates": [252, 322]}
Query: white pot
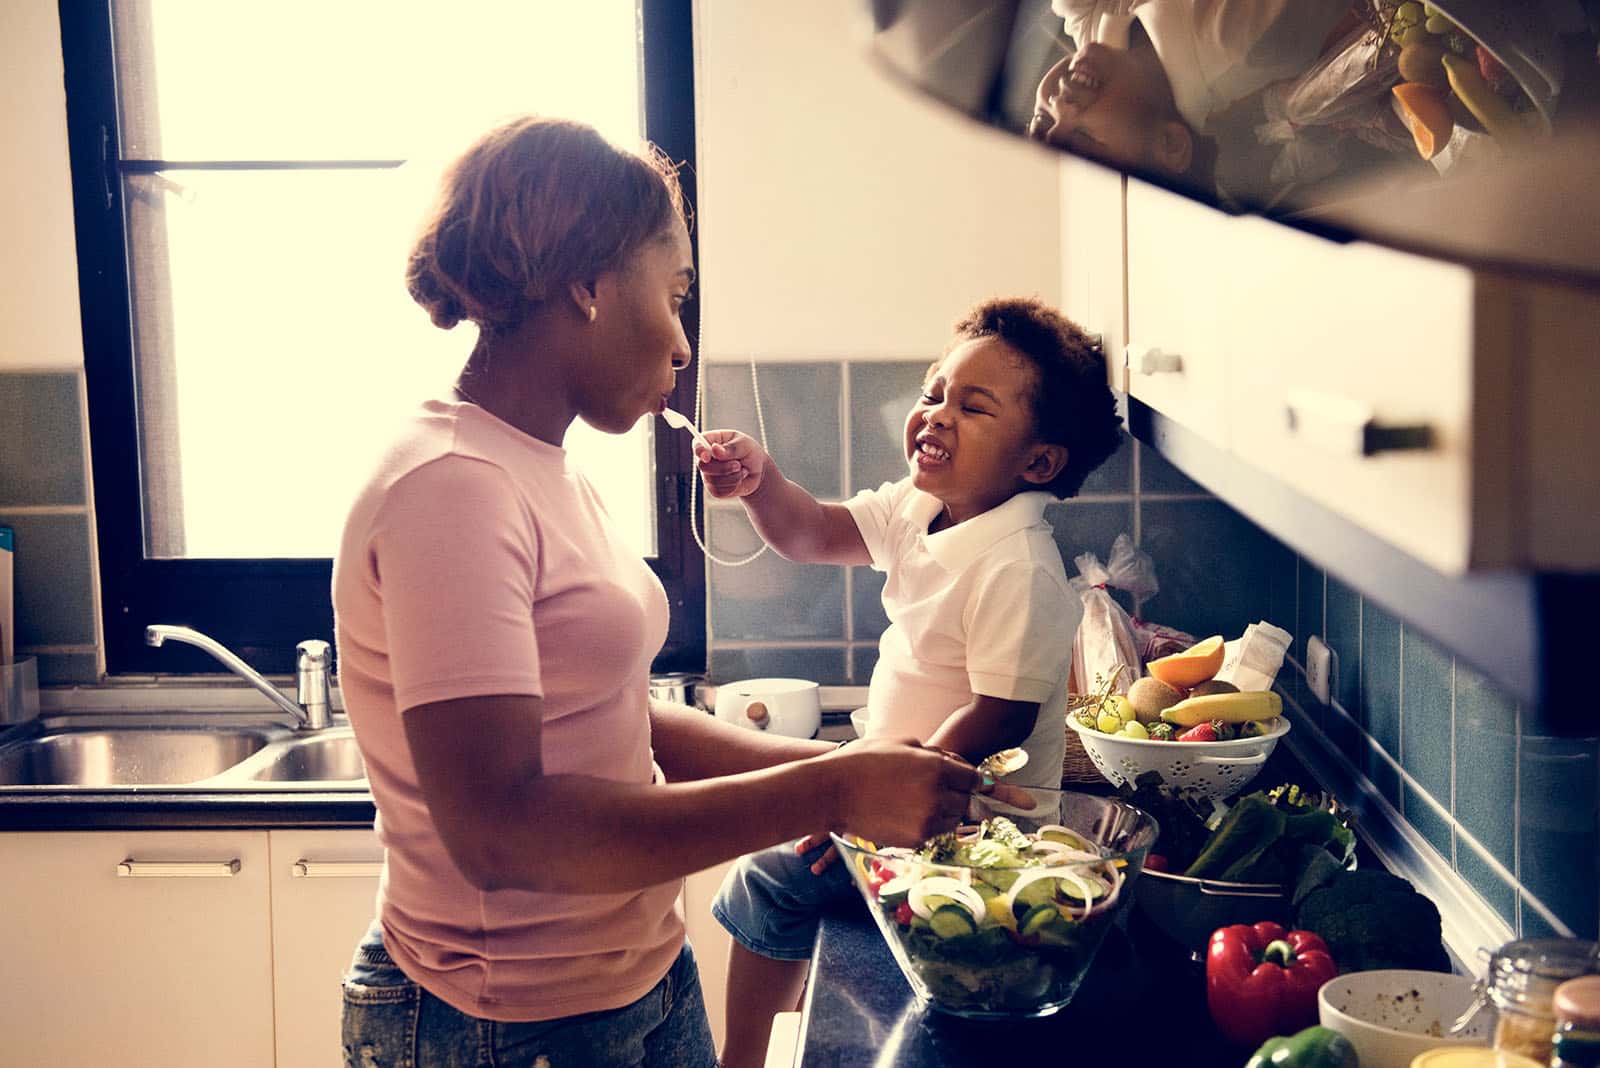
{"type": "Point", "coordinates": [791, 707]}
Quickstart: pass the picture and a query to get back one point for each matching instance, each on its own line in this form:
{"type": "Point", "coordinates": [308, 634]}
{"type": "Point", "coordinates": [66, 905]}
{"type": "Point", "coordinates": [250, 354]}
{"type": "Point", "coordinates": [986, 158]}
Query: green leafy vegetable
{"type": "Point", "coordinates": [1374, 919]}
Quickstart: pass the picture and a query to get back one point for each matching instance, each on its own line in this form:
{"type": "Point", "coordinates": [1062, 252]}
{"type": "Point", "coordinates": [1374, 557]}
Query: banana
{"type": "Point", "coordinates": [1486, 105]}
{"type": "Point", "coordinates": [1228, 707]}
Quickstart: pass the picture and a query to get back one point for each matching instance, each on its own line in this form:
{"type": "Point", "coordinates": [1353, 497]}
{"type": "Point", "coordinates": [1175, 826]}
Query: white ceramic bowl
{"type": "Point", "coordinates": [1391, 1015]}
{"type": "Point", "coordinates": [1215, 769]}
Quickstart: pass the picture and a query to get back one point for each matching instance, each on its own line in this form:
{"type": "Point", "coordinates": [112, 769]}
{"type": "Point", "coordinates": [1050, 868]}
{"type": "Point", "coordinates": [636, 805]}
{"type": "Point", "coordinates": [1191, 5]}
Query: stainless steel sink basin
{"type": "Point", "coordinates": [176, 751]}
{"type": "Point", "coordinates": [316, 758]}
{"type": "Point", "coordinates": [126, 756]}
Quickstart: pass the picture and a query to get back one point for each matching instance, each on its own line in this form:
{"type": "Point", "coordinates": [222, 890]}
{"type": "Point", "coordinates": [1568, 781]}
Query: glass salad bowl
{"type": "Point", "coordinates": [1002, 918]}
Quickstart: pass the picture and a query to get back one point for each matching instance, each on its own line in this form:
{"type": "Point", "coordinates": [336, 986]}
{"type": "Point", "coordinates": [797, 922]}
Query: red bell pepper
{"type": "Point", "coordinates": [1262, 980]}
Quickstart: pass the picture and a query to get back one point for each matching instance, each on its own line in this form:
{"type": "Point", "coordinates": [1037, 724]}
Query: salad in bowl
{"type": "Point", "coordinates": [1003, 916]}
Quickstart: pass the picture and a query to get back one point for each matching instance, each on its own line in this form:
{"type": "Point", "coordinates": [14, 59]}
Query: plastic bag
{"type": "Point", "coordinates": [1106, 639]}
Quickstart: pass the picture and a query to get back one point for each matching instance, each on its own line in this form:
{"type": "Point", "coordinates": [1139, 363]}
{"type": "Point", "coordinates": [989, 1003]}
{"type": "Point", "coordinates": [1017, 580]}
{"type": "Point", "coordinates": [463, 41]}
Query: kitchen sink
{"type": "Point", "coordinates": [181, 751]}
{"type": "Point", "coordinates": [155, 756]}
{"type": "Point", "coordinates": [331, 757]}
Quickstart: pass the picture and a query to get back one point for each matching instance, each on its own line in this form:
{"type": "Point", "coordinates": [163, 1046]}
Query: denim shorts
{"type": "Point", "coordinates": [391, 1022]}
{"type": "Point", "coordinates": [772, 903]}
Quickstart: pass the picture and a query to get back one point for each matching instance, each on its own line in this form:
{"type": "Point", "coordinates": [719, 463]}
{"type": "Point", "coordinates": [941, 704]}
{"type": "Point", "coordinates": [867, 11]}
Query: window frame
{"type": "Point", "coordinates": [261, 608]}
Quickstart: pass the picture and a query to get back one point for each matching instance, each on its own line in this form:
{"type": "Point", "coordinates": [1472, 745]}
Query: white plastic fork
{"type": "Point", "coordinates": [679, 421]}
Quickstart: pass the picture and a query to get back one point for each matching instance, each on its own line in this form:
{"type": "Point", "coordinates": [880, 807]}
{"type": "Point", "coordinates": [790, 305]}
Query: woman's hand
{"type": "Point", "coordinates": [734, 466]}
{"type": "Point", "coordinates": [899, 792]}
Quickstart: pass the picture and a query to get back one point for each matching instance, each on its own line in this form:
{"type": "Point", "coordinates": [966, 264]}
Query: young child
{"type": "Point", "coordinates": [1015, 414]}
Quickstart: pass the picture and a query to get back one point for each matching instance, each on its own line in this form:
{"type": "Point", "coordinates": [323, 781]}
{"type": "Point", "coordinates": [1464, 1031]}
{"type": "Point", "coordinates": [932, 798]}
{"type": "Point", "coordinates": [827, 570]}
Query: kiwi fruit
{"type": "Point", "coordinates": [1420, 62]}
{"type": "Point", "coordinates": [1211, 686]}
{"type": "Point", "coordinates": [1149, 696]}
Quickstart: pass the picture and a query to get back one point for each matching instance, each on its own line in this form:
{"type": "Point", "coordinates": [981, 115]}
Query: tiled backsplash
{"type": "Point", "coordinates": [44, 497]}
{"type": "Point", "coordinates": [1514, 814]}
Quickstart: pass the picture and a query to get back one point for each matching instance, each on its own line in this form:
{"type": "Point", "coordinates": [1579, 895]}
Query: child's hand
{"type": "Point", "coordinates": [810, 842]}
{"type": "Point", "coordinates": [734, 465]}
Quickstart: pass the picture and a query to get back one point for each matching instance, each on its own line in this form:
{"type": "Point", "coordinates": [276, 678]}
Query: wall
{"type": "Point", "coordinates": [44, 482]}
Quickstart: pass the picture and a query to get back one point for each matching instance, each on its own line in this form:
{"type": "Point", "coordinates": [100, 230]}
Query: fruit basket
{"type": "Point", "coordinates": [1002, 919]}
{"type": "Point", "coordinates": [1216, 769]}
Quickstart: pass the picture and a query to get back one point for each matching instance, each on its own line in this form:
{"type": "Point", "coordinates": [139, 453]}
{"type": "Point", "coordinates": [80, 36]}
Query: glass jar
{"type": "Point", "coordinates": [1577, 1035]}
{"type": "Point", "coordinates": [1521, 983]}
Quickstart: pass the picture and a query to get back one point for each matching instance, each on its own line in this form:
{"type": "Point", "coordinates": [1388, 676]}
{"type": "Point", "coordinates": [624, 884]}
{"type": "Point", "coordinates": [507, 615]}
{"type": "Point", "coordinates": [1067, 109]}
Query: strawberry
{"type": "Point", "coordinates": [1493, 71]}
{"type": "Point", "coordinates": [1200, 732]}
{"type": "Point", "coordinates": [903, 914]}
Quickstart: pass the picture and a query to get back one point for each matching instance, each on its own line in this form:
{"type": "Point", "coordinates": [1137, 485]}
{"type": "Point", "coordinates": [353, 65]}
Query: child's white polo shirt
{"type": "Point", "coordinates": [982, 607]}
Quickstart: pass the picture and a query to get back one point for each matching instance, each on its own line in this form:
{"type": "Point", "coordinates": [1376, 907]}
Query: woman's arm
{"type": "Point", "coordinates": [506, 824]}
{"type": "Point", "coordinates": [690, 744]}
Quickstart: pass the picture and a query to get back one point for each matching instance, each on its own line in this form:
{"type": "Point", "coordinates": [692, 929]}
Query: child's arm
{"type": "Point", "coordinates": [797, 525]}
{"type": "Point", "coordinates": [985, 725]}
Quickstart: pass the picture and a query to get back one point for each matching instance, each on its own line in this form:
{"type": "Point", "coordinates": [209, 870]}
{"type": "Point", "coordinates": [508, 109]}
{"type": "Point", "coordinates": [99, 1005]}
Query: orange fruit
{"type": "Point", "coordinates": [1190, 667]}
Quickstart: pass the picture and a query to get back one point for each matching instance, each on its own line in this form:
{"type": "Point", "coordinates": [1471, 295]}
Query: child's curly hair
{"type": "Point", "coordinates": [1073, 406]}
{"type": "Point", "coordinates": [534, 205]}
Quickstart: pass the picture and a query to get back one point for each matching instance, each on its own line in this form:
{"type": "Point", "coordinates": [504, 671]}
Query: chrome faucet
{"type": "Point", "coordinates": [311, 708]}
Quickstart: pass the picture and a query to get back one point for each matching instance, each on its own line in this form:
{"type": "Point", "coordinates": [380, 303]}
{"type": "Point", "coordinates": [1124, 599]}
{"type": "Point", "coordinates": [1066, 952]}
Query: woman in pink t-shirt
{"type": "Point", "coordinates": [538, 810]}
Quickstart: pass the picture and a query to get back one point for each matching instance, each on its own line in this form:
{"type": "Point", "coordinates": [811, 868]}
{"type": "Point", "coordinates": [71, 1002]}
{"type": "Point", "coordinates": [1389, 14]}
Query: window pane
{"type": "Point", "coordinates": [275, 341]}
{"type": "Point", "coordinates": [364, 79]}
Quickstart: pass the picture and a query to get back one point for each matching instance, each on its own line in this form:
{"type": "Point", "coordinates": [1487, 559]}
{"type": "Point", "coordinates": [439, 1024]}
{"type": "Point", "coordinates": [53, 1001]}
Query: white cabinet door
{"type": "Point", "coordinates": [1091, 257]}
{"type": "Point", "coordinates": [145, 947]}
{"type": "Point", "coordinates": [1350, 379]}
{"type": "Point", "coordinates": [1180, 268]}
{"type": "Point", "coordinates": [324, 886]}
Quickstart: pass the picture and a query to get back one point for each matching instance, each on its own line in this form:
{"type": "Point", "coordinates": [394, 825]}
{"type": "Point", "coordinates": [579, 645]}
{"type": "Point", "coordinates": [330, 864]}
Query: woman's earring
{"type": "Point", "coordinates": [593, 314]}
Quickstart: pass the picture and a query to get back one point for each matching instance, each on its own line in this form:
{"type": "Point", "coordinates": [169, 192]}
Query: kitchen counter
{"type": "Point", "coordinates": [173, 810]}
{"type": "Point", "coordinates": [1142, 997]}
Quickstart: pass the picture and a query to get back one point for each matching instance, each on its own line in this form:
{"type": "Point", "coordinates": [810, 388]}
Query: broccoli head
{"type": "Point", "coordinates": [1374, 919]}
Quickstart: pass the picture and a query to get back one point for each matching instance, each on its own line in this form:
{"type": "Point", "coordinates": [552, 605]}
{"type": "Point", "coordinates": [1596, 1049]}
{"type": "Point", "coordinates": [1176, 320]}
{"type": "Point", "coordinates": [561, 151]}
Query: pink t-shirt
{"type": "Point", "coordinates": [475, 562]}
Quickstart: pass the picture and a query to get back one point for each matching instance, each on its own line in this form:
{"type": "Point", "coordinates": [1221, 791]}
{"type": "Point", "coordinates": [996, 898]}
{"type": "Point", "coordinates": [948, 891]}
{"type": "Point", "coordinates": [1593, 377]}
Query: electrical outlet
{"type": "Point", "coordinates": [1319, 667]}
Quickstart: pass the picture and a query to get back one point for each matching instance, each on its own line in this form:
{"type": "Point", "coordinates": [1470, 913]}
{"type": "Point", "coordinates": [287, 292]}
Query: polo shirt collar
{"type": "Point", "coordinates": [953, 548]}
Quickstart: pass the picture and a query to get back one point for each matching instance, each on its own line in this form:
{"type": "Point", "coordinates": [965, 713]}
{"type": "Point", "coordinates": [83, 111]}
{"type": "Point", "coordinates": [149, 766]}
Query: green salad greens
{"type": "Point", "coordinates": [994, 920]}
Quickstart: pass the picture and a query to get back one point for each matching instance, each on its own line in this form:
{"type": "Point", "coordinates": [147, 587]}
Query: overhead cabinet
{"type": "Point", "coordinates": [1439, 408]}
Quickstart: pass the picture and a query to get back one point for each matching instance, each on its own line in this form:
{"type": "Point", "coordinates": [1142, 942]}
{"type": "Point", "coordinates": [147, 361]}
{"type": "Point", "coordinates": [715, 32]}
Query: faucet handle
{"type": "Point", "coordinates": [313, 662]}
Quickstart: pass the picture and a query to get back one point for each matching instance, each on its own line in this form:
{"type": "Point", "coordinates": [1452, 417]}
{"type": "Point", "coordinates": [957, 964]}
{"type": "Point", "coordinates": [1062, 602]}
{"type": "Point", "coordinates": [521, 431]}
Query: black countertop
{"type": "Point", "coordinates": [1143, 1000]}
{"type": "Point", "coordinates": [171, 810]}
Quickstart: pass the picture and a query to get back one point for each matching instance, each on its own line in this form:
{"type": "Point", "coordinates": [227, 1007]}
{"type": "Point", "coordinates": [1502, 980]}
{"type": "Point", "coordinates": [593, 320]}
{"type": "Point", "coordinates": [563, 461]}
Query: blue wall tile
{"type": "Point", "coordinates": [1343, 611]}
{"type": "Point", "coordinates": [1156, 475]}
{"type": "Point", "coordinates": [1308, 621]}
{"type": "Point", "coordinates": [1426, 819]}
{"type": "Point", "coordinates": [1211, 563]}
{"type": "Point", "coordinates": [770, 598]}
{"type": "Point", "coordinates": [800, 402]}
{"type": "Point", "coordinates": [881, 396]}
{"type": "Point", "coordinates": [41, 461]}
{"type": "Point", "coordinates": [1559, 827]}
{"type": "Point", "coordinates": [1425, 701]}
{"type": "Point", "coordinates": [1380, 676]}
{"type": "Point", "coordinates": [1495, 891]}
{"type": "Point", "coordinates": [1486, 764]}
{"type": "Point", "coordinates": [63, 669]}
{"type": "Point", "coordinates": [54, 577]}
{"type": "Point", "coordinates": [1088, 527]}
{"type": "Point", "coordinates": [1116, 474]}
{"type": "Point", "coordinates": [821, 664]}
{"type": "Point", "coordinates": [867, 619]}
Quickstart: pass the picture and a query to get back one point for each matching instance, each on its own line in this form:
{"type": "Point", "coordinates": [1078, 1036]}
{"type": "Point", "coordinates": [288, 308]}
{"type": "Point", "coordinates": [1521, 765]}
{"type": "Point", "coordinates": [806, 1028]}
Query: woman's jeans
{"type": "Point", "coordinates": [391, 1022]}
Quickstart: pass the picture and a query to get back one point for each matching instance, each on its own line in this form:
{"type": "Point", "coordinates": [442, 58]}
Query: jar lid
{"type": "Point", "coordinates": [1578, 1000]}
{"type": "Point", "coordinates": [1472, 1057]}
{"type": "Point", "coordinates": [1524, 974]}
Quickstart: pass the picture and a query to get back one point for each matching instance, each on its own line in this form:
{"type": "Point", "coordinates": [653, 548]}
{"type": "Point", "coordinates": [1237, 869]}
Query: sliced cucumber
{"type": "Point", "coordinates": [895, 890]}
{"type": "Point", "coordinates": [952, 921]}
{"type": "Point", "coordinates": [1037, 918]}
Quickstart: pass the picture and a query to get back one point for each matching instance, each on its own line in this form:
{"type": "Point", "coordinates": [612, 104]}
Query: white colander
{"type": "Point", "coordinates": [1216, 769]}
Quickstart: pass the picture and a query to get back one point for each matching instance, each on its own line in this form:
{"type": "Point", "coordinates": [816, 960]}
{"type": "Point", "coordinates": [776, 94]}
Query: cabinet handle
{"type": "Point", "coordinates": [177, 869]}
{"type": "Point", "coordinates": [1348, 427]}
{"type": "Point", "coordinates": [1149, 360]}
{"type": "Point", "coordinates": [336, 869]}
